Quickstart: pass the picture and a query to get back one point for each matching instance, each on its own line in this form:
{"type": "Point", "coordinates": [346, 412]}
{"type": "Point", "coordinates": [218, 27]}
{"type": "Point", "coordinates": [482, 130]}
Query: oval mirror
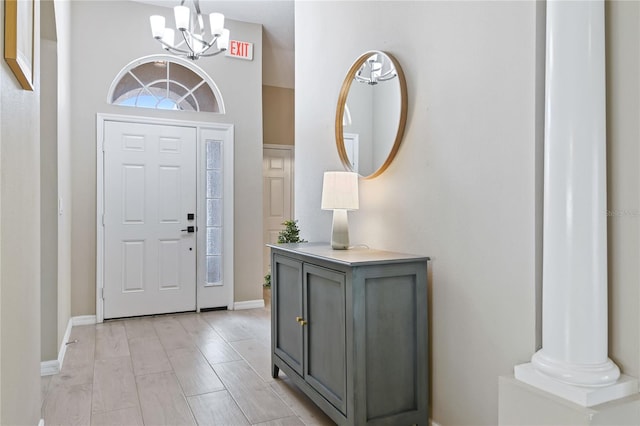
{"type": "Point", "coordinates": [371, 114]}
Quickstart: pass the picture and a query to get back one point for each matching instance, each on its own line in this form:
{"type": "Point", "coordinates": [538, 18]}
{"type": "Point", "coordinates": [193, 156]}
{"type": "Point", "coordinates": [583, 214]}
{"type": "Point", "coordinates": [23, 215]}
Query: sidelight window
{"type": "Point", "coordinates": [214, 212]}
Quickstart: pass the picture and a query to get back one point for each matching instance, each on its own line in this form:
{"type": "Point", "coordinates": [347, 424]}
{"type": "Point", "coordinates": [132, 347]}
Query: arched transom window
{"type": "Point", "coordinates": [165, 82]}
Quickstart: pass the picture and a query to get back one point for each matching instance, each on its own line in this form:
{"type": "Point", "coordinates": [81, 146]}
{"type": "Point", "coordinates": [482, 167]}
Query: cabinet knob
{"type": "Point", "coordinates": [301, 321]}
{"type": "Point", "coordinates": [298, 319]}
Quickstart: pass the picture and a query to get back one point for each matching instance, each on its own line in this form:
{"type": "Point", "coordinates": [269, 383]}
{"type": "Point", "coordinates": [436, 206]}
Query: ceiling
{"type": "Point", "coordinates": [277, 19]}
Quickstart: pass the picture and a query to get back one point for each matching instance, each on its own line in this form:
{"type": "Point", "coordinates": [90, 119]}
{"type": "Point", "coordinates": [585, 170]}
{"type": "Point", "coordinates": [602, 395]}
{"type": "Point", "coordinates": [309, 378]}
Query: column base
{"type": "Point", "coordinates": [520, 404]}
{"type": "Point", "coordinates": [586, 396]}
{"type": "Point", "coordinates": [603, 374]}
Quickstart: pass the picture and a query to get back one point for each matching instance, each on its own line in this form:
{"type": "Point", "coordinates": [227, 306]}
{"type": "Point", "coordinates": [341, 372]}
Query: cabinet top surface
{"type": "Point", "coordinates": [352, 257]}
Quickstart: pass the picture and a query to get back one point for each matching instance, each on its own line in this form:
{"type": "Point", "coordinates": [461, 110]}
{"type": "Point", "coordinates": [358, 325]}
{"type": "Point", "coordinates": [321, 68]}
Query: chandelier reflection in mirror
{"type": "Point", "coordinates": [376, 69]}
{"type": "Point", "coordinates": [194, 43]}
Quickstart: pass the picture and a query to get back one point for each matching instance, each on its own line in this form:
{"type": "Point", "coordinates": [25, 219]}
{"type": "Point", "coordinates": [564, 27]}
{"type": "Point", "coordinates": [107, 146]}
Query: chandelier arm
{"type": "Point", "coordinates": [179, 51]}
{"type": "Point", "coordinates": [387, 75]}
{"type": "Point", "coordinates": [193, 52]}
{"type": "Point", "coordinates": [387, 78]}
{"type": "Point", "coordinates": [214, 53]}
{"type": "Point", "coordinates": [203, 42]}
{"type": "Point", "coordinates": [172, 48]}
{"type": "Point", "coordinates": [362, 79]}
{"type": "Point", "coordinates": [209, 44]}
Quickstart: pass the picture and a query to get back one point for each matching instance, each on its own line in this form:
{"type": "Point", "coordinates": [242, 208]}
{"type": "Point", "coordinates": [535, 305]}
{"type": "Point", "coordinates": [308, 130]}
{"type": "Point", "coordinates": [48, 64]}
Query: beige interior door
{"type": "Point", "coordinates": [149, 219]}
{"type": "Point", "coordinates": [277, 172]}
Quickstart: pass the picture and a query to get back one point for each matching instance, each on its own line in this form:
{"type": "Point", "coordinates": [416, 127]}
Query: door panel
{"type": "Point", "coordinates": [325, 360]}
{"type": "Point", "coordinates": [149, 188]}
{"type": "Point", "coordinates": [288, 295]}
{"type": "Point", "coordinates": [133, 266]}
{"type": "Point", "coordinates": [277, 171]}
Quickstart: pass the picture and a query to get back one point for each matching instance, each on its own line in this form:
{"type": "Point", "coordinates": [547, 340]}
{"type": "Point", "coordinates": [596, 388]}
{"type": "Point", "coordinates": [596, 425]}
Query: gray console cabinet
{"type": "Point", "coordinates": [349, 328]}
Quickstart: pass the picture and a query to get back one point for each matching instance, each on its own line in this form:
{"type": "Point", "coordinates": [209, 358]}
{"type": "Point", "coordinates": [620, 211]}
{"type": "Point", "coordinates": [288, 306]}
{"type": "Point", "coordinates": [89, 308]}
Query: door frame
{"type": "Point", "coordinates": [292, 152]}
{"type": "Point", "coordinates": [224, 132]}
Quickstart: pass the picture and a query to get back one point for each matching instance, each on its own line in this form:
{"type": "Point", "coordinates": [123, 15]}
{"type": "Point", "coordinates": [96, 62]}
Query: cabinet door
{"type": "Point", "coordinates": [286, 299]}
{"type": "Point", "coordinates": [325, 356]}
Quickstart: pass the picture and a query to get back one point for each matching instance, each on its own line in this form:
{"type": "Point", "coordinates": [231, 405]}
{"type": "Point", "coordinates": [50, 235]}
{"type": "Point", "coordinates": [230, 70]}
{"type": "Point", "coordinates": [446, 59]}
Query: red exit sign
{"type": "Point", "coordinates": [240, 49]}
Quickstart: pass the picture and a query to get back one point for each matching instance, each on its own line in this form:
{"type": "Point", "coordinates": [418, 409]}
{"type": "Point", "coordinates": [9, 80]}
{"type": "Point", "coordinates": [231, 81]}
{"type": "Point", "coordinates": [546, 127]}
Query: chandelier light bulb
{"type": "Point", "coordinates": [157, 26]}
{"type": "Point", "coordinates": [169, 38]}
{"type": "Point", "coordinates": [217, 23]}
{"type": "Point", "coordinates": [182, 15]}
{"type": "Point", "coordinates": [223, 40]}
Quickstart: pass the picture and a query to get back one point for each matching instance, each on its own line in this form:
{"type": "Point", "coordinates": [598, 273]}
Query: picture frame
{"type": "Point", "coordinates": [19, 40]}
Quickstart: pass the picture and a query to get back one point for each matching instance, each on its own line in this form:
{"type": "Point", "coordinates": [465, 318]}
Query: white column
{"type": "Point", "coordinates": [573, 361]}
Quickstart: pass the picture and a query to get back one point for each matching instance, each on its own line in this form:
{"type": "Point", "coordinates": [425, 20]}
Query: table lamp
{"type": "Point", "coordinates": [340, 194]}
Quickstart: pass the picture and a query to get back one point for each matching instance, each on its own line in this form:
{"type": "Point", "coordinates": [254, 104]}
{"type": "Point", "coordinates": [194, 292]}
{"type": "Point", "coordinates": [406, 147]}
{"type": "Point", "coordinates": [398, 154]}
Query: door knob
{"type": "Point", "coordinates": [189, 229]}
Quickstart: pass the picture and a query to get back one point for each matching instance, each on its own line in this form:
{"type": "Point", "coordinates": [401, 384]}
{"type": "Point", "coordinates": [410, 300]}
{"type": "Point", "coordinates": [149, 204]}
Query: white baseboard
{"type": "Point", "coordinates": [432, 423]}
{"type": "Point", "coordinates": [41, 422]}
{"type": "Point", "coordinates": [63, 345]}
{"type": "Point", "coordinates": [84, 320]}
{"type": "Point", "coordinates": [49, 368]}
{"type": "Point", "coordinates": [249, 304]}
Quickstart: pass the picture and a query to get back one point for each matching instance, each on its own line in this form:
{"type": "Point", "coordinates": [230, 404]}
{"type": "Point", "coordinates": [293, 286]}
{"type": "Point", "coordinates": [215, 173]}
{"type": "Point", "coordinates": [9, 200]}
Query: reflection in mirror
{"type": "Point", "coordinates": [371, 114]}
{"type": "Point", "coordinates": [377, 68]}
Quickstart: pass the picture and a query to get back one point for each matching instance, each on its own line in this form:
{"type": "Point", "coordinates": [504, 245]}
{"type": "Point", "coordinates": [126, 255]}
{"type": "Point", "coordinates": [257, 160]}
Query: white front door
{"type": "Point", "coordinates": [277, 174]}
{"type": "Point", "coordinates": [149, 219]}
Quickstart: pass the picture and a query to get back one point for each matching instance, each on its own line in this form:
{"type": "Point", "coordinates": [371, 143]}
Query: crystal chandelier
{"type": "Point", "coordinates": [191, 26]}
{"type": "Point", "coordinates": [372, 71]}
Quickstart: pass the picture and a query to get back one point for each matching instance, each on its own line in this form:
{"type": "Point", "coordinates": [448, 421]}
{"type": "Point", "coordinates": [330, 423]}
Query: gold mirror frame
{"type": "Point", "coordinates": [342, 101]}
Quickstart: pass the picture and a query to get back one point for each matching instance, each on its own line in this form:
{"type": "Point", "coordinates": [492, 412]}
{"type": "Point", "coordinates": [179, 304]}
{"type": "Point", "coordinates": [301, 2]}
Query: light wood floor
{"type": "Point", "coordinates": [210, 368]}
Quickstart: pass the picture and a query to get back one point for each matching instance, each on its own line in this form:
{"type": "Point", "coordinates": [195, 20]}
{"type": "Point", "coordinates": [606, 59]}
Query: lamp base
{"type": "Point", "coordinates": [340, 230]}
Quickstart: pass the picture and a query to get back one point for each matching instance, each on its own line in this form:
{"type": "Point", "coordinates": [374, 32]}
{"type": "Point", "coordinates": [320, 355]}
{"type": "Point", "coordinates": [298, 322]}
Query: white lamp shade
{"type": "Point", "coordinates": [168, 37]}
{"type": "Point", "coordinates": [182, 17]}
{"type": "Point", "coordinates": [217, 23]}
{"type": "Point", "coordinates": [340, 191]}
{"type": "Point", "coordinates": [223, 40]}
{"type": "Point", "coordinates": [157, 25]}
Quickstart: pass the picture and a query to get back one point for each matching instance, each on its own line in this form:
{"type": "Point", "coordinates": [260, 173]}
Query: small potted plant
{"type": "Point", "coordinates": [290, 234]}
{"type": "Point", "coordinates": [267, 280]}
{"type": "Point", "coordinates": [266, 289]}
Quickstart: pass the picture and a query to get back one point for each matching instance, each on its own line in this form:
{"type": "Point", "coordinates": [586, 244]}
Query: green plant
{"type": "Point", "coordinates": [290, 233]}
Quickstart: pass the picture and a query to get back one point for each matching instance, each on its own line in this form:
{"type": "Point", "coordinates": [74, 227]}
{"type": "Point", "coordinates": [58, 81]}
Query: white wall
{"type": "Point", "coordinates": [65, 224]}
{"type": "Point", "coordinates": [119, 33]}
{"type": "Point", "coordinates": [49, 194]}
{"type": "Point", "coordinates": [19, 245]}
{"type": "Point", "coordinates": [55, 177]}
{"type": "Point", "coordinates": [623, 154]}
{"type": "Point", "coordinates": [465, 187]}
{"type": "Point", "coordinates": [462, 188]}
